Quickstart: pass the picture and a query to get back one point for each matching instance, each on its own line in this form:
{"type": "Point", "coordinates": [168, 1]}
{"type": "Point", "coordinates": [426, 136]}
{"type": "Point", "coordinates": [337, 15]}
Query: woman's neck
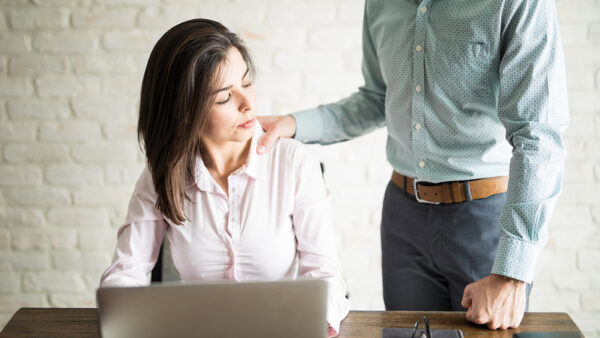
{"type": "Point", "coordinates": [223, 159]}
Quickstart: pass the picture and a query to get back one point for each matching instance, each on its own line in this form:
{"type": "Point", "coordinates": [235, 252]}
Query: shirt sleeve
{"type": "Point", "coordinates": [353, 116]}
{"type": "Point", "coordinates": [138, 240]}
{"type": "Point", "coordinates": [313, 227]}
{"type": "Point", "coordinates": [533, 108]}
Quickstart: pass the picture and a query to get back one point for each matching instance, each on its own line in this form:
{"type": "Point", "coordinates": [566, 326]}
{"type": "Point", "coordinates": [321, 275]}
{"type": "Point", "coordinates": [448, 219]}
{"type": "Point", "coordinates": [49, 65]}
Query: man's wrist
{"type": "Point", "coordinates": [506, 278]}
{"type": "Point", "coordinates": [295, 125]}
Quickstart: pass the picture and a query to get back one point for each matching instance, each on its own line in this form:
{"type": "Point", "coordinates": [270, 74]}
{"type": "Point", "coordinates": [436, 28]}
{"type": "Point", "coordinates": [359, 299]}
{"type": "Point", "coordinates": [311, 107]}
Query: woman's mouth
{"type": "Point", "coordinates": [248, 124]}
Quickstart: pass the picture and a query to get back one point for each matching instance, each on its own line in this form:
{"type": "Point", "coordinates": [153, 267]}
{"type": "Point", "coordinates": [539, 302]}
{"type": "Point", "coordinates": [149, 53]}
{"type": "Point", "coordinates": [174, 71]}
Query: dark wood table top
{"type": "Point", "coordinates": [370, 323]}
{"type": "Point", "coordinates": [83, 322]}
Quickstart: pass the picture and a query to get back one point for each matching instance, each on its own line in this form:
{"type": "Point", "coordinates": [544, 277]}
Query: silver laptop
{"type": "Point", "coordinates": [223, 309]}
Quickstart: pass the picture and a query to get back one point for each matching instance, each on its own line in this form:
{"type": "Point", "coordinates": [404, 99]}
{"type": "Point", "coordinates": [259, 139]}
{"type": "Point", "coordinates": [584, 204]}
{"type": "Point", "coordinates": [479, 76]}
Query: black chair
{"type": "Point", "coordinates": [164, 269]}
{"type": "Point", "coordinates": [157, 274]}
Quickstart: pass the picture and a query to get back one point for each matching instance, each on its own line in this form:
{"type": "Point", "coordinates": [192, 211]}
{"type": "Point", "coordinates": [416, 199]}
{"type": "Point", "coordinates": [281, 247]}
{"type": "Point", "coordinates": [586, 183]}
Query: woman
{"type": "Point", "coordinates": [228, 213]}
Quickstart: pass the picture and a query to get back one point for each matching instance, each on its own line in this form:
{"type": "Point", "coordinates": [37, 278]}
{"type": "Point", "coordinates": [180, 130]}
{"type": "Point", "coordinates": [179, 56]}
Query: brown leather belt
{"type": "Point", "coordinates": [451, 192]}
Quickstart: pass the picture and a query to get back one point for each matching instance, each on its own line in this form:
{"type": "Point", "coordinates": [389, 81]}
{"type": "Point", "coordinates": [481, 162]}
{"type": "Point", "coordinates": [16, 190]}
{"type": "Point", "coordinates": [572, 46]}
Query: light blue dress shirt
{"type": "Point", "coordinates": [467, 90]}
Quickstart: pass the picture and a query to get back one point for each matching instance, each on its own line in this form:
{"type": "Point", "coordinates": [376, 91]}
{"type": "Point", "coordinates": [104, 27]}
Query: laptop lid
{"type": "Point", "coordinates": [224, 309]}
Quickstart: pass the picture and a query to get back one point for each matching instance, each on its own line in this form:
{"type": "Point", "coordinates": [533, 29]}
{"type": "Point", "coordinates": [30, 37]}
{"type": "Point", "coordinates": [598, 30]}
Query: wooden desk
{"type": "Point", "coordinates": [369, 323]}
{"type": "Point", "coordinates": [68, 322]}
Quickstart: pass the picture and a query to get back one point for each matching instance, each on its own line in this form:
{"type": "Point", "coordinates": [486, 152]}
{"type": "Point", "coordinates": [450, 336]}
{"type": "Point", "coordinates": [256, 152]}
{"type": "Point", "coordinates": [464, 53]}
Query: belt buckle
{"type": "Point", "coordinates": [415, 182]}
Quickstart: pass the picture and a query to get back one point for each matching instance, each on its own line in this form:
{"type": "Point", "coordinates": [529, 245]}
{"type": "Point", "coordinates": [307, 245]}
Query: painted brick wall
{"type": "Point", "coordinates": [70, 72]}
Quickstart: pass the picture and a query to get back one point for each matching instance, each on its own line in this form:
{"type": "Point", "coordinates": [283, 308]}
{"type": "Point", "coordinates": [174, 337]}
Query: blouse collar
{"type": "Point", "coordinates": [204, 180]}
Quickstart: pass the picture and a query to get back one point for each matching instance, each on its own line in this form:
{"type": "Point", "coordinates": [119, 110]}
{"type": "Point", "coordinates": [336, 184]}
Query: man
{"type": "Point", "coordinates": [459, 84]}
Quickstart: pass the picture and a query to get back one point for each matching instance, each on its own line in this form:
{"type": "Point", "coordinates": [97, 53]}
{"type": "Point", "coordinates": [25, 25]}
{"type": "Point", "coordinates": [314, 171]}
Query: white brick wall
{"type": "Point", "coordinates": [70, 73]}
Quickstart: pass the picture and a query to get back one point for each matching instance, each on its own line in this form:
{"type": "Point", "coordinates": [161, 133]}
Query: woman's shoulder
{"type": "Point", "coordinates": [286, 143]}
{"type": "Point", "coordinates": [142, 205]}
{"type": "Point", "coordinates": [291, 149]}
{"type": "Point", "coordinates": [144, 187]}
{"type": "Point", "coordinates": [145, 182]}
{"type": "Point", "coordinates": [294, 155]}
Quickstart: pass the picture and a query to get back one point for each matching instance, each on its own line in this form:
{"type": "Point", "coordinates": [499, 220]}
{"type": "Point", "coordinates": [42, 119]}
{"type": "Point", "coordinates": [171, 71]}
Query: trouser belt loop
{"type": "Point", "coordinates": [468, 190]}
{"type": "Point", "coordinates": [405, 184]}
{"type": "Point", "coordinates": [455, 192]}
{"type": "Point", "coordinates": [448, 193]}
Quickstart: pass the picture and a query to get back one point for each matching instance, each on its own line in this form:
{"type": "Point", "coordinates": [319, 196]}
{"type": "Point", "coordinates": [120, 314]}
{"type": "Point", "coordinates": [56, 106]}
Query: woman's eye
{"type": "Point", "coordinates": [247, 85]}
{"type": "Point", "coordinates": [226, 100]}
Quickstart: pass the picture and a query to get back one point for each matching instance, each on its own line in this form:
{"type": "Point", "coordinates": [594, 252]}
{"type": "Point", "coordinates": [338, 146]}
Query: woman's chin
{"type": "Point", "coordinates": [243, 135]}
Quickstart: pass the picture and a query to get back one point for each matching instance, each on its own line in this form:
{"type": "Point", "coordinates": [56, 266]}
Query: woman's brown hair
{"type": "Point", "coordinates": [177, 93]}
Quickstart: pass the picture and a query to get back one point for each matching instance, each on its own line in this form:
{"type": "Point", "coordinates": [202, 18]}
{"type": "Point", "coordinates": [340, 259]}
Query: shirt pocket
{"type": "Point", "coordinates": [463, 71]}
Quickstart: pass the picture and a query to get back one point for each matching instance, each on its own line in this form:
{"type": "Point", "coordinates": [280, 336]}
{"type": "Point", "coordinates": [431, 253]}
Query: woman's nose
{"type": "Point", "coordinates": [245, 103]}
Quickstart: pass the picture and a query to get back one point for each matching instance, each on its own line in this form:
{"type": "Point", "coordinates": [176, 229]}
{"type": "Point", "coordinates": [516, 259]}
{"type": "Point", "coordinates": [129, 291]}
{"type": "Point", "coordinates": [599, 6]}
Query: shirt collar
{"type": "Point", "coordinates": [205, 182]}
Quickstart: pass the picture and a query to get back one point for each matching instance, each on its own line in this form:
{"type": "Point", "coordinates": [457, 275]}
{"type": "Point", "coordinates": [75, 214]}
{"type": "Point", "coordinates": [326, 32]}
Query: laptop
{"type": "Point", "coordinates": [294, 308]}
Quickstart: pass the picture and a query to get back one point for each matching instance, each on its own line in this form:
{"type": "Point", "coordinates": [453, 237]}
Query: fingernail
{"type": "Point", "coordinates": [261, 149]}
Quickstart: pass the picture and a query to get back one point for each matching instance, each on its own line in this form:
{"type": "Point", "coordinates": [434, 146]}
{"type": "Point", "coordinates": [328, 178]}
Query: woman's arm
{"type": "Point", "coordinates": [313, 226]}
{"type": "Point", "coordinates": [138, 246]}
{"type": "Point", "coordinates": [139, 240]}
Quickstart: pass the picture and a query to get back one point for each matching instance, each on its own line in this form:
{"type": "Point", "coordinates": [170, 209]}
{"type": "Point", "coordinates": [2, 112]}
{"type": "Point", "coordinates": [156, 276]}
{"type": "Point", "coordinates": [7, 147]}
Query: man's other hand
{"type": "Point", "coordinates": [275, 127]}
{"type": "Point", "coordinates": [495, 301]}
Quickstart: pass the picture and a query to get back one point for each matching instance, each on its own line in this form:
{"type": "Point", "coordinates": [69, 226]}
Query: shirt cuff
{"type": "Point", "coordinates": [120, 282]}
{"type": "Point", "coordinates": [309, 125]}
{"type": "Point", "coordinates": [515, 259]}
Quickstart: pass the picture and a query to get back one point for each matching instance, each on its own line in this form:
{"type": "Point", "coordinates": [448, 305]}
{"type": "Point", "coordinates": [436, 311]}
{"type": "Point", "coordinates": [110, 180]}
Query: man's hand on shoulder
{"type": "Point", "coordinates": [275, 127]}
{"type": "Point", "coordinates": [495, 301]}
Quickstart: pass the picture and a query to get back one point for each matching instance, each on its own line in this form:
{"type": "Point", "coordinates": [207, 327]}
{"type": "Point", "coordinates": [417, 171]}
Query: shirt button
{"type": "Point", "coordinates": [423, 9]}
{"type": "Point", "coordinates": [419, 88]}
{"type": "Point", "coordinates": [421, 164]}
{"type": "Point", "coordinates": [418, 126]}
{"type": "Point", "coordinates": [419, 48]}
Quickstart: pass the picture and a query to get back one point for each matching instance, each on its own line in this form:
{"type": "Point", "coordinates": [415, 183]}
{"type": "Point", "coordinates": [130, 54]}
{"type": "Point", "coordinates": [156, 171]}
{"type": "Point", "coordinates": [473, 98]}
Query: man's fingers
{"type": "Point", "coordinates": [516, 322]}
{"type": "Point", "coordinates": [473, 314]}
{"type": "Point", "coordinates": [520, 315]}
{"type": "Point", "coordinates": [269, 124]}
{"type": "Point", "coordinates": [470, 315]}
{"type": "Point", "coordinates": [275, 127]}
{"type": "Point", "coordinates": [506, 320]}
{"type": "Point", "coordinates": [511, 318]}
{"type": "Point", "coordinates": [493, 324]}
{"type": "Point", "coordinates": [477, 318]}
{"type": "Point", "coordinates": [266, 121]}
{"type": "Point", "coordinates": [466, 300]}
{"type": "Point", "coordinates": [265, 142]}
{"type": "Point", "coordinates": [476, 315]}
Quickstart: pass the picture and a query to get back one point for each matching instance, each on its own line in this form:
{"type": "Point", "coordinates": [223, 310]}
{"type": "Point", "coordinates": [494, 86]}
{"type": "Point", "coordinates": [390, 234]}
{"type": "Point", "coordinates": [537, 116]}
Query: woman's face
{"type": "Point", "coordinates": [232, 116]}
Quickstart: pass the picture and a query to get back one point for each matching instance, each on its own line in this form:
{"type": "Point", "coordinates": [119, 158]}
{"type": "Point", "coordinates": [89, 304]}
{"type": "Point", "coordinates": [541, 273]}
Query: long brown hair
{"type": "Point", "coordinates": [177, 93]}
